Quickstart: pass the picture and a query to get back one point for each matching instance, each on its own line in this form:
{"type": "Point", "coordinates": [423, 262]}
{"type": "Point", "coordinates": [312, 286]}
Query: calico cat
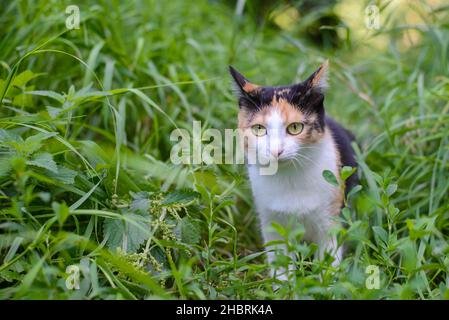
{"type": "Point", "coordinates": [288, 124]}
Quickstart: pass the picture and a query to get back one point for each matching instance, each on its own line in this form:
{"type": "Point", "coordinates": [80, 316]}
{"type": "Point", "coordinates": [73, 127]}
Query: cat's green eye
{"type": "Point", "coordinates": [295, 128]}
{"type": "Point", "coordinates": [259, 130]}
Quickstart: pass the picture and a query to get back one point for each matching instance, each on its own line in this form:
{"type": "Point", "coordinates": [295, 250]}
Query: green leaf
{"type": "Point", "coordinates": [346, 172]}
{"type": "Point", "coordinates": [5, 166]}
{"type": "Point", "coordinates": [22, 100]}
{"type": "Point", "coordinates": [86, 196]}
{"type": "Point", "coordinates": [180, 197]}
{"type": "Point", "coordinates": [8, 137]}
{"type": "Point", "coordinates": [279, 229]}
{"type": "Point", "coordinates": [23, 78]}
{"type": "Point", "coordinates": [44, 160]}
{"type": "Point", "coordinates": [381, 234]}
{"type": "Point", "coordinates": [141, 202]}
{"type": "Point", "coordinates": [94, 153]}
{"type": "Point", "coordinates": [354, 190]}
{"type": "Point", "coordinates": [189, 231]}
{"type": "Point", "coordinates": [33, 143]}
{"type": "Point", "coordinates": [346, 213]}
{"type": "Point", "coordinates": [53, 112]}
{"type": "Point", "coordinates": [62, 212]}
{"type": "Point", "coordinates": [124, 234]}
{"type": "Point", "coordinates": [64, 175]}
{"type": "Point", "coordinates": [50, 94]}
{"type": "Point", "coordinates": [18, 164]}
{"type": "Point", "coordinates": [391, 189]}
{"type": "Point", "coordinates": [330, 177]}
{"type": "Point", "coordinates": [409, 255]}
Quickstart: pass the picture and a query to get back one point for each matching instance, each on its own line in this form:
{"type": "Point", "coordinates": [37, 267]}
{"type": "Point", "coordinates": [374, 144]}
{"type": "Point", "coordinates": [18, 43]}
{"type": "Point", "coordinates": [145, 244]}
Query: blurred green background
{"type": "Point", "coordinates": [85, 172]}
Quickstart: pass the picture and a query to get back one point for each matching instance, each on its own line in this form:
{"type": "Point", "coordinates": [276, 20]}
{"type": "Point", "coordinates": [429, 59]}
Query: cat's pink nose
{"type": "Point", "coordinates": [277, 152]}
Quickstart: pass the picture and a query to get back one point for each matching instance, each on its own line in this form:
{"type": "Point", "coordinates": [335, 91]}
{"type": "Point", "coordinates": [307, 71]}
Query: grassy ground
{"type": "Point", "coordinates": [86, 178]}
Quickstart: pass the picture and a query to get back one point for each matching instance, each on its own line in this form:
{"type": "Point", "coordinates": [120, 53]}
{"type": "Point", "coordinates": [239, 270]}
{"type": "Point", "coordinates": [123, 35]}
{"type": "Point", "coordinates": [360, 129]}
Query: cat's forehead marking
{"type": "Point", "coordinates": [278, 111]}
{"type": "Point", "coordinates": [281, 91]}
{"type": "Point", "coordinates": [275, 120]}
{"type": "Point", "coordinates": [287, 111]}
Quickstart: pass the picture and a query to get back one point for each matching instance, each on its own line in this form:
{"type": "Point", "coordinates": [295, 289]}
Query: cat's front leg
{"type": "Point", "coordinates": [318, 230]}
{"type": "Point", "coordinates": [271, 235]}
{"type": "Point", "coordinates": [329, 244]}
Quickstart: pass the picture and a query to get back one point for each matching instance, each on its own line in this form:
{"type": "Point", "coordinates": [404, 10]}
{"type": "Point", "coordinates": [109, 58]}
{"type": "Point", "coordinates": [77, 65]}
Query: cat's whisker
{"type": "Point", "coordinates": [298, 161]}
{"type": "Point", "coordinates": [309, 148]}
{"type": "Point", "coordinates": [306, 158]}
{"type": "Point", "coordinates": [294, 164]}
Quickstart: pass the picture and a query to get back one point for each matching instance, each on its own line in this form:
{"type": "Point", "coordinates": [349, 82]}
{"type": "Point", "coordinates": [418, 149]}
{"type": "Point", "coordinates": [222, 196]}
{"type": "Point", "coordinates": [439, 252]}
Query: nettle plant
{"type": "Point", "coordinates": [59, 202]}
{"type": "Point", "coordinates": [154, 232]}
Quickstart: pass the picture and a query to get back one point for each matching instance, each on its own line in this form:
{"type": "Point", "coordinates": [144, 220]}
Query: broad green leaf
{"type": "Point", "coordinates": [346, 172]}
{"type": "Point", "coordinates": [180, 197]}
{"type": "Point", "coordinates": [330, 177]}
{"type": "Point", "coordinates": [44, 160]}
{"type": "Point", "coordinates": [22, 100]}
{"type": "Point", "coordinates": [7, 136]}
{"type": "Point", "coordinates": [23, 78]}
{"type": "Point", "coordinates": [125, 235]}
{"type": "Point", "coordinates": [346, 213]}
{"type": "Point", "coordinates": [63, 175]}
{"type": "Point", "coordinates": [18, 164]}
{"type": "Point", "coordinates": [140, 203]}
{"type": "Point", "coordinates": [5, 166]}
{"type": "Point", "coordinates": [33, 143]}
{"type": "Point", "coordinates": [190, 232]}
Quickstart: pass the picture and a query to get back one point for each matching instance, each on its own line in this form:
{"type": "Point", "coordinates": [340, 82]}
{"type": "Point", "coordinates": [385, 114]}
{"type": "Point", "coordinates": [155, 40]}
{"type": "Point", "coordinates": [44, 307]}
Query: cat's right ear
{"type": "Point", "coordinates": [243, 86]}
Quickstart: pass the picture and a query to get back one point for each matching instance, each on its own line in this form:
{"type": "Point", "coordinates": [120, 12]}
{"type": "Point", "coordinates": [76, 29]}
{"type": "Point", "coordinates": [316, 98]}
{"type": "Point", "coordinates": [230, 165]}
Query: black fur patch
{"type": "Point", "coordinates": [343, 139]}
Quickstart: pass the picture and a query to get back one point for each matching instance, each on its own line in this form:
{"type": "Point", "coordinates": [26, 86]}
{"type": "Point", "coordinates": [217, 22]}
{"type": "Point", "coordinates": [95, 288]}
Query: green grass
{"type": "Point", "coordinates": [85, 123]}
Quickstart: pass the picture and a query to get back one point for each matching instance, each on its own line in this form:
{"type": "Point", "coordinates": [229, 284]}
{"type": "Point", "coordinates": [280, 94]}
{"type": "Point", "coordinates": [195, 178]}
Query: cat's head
{"type": "Point", "coordinates": [280, 121]}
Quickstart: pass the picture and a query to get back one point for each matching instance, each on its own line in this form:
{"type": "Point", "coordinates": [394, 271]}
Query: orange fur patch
{"type": "Point", "coordinates": [250, 87]}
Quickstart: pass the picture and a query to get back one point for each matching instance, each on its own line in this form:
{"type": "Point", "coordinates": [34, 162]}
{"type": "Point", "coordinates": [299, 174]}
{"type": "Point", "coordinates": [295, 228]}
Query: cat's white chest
{"type": "Point", "coordinates": [297, 190]}
{"type": "Point", "coordinates": [291, 192]}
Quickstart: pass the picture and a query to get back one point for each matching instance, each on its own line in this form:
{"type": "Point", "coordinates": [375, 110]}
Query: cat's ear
{"type": "Point", "coordinates": [310, 93]}
{"type": "Point", "coordinates": [318, 80]}
{"type": "Point", "coordinates": [243, 86]}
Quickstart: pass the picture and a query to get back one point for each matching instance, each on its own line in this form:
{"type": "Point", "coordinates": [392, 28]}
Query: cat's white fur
{"type": "Point", "coordinates": [297, 193]}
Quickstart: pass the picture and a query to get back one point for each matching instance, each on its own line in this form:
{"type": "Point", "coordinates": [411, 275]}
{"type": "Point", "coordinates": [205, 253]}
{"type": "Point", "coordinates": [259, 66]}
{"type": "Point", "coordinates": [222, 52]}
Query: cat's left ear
{"type": "Point", "coordinates": [318, 79]}
{"type": "Point", "coordinates": [243, 86]}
